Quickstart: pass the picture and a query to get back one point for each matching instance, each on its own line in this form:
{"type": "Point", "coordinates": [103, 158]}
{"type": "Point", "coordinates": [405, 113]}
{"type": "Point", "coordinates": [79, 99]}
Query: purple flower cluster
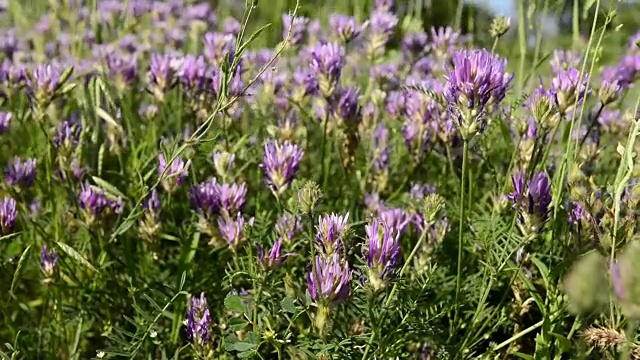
{"type": "Point", "coordinates": [281, 163]}
{"type": "Point", "coordinates": [476, 84]}
{"type": "Point", "coordinates": [275, 258]}
{"type": "Point", "coordinates": [48, 260]}
{"type": "Point", "coordinates": [569, 89]}
{"type": "Point", "coordinates": [96, 204]}
{"type": "Point", "coordinates": [199, 321]}
{"type": "Point", "coordinates": [288, 226]}
{"type": "Point", "coordinates": [531, 199]}
{"type": "Point", "coordinates": [328, 280]}
{"type": "Point", "coordinates": [381, 251]}
{"type": "Point", "coordinates": [8, 215]}
{"type": "Point", "coordinates": [174, 175]}
{"type": "Point", "coordinates": [19, 173]}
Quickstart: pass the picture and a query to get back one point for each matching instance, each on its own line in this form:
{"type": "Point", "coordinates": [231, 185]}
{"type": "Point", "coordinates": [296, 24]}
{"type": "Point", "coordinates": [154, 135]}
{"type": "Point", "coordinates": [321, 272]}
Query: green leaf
{"type": "Point", "coordinates": [587, 7]}
{"type": "Point", "coordinates": [246, 354]}
{"type": "Point", "coordinates": [243, 346]}
{"type": "Point", "coordinates": [103, 184]}
{"type": "Point", "coordinates": [287, 305]}
{"type": "Point", "coordinates": [230, 342]}
{"type": "Point", "coordinates": [18, 272]}
{"type": "Point", "coordinates": [233, 302]}
{"type": "Point", "coordinates": [108, 118]}
{"type": "Point", "coordinates": [251, 39]}
{"type": "Point", "coordinates": [75, 255]}
{"type": "Point", "coordinates": [189, 251]}
{"type": "Point", "coordinates": [237, 324]}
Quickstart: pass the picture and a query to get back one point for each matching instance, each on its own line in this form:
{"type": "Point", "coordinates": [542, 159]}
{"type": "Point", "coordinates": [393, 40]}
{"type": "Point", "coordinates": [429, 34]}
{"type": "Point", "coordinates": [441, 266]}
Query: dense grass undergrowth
{"type": "Point", "coordinates": [361, 190]}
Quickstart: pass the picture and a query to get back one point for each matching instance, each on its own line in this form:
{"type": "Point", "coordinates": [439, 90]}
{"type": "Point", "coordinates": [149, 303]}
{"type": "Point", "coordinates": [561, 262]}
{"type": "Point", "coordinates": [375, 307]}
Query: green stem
{"type": "Point", "coordinates": [522, 41]}
{"type": "Point", "coordinates": [465, 153]}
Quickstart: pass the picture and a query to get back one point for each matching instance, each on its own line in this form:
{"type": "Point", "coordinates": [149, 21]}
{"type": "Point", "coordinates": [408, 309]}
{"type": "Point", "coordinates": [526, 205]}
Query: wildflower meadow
{"type": "Point", "coordinates": [177, 185]}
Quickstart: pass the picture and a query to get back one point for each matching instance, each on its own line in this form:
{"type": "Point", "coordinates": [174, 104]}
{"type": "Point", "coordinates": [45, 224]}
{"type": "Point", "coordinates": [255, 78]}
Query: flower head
{"type": "Point", "coordinates": [396, 218]}
{"type": "Point", "coordinates": [19, 173]}
{"type": "Point", "coordinates": [328, 280]}
{"type": "Point", "coordinates": [232, 230]}
{"type": "Point", "coordinates": [532, 199]}
{"type": "Point", "coordinates": [175, 174]}
{"type": "Point", "coordinates": [564, 60]}
{"type": "Point", "coordinates": [67, 136]}
{"type": "Point", "coordinates": [231, 197]}
{"type": "Point", "coordinates": [579, 218]}
{"type": "Point", "coordinates": [332, 229]}
{"type": "Point", "coordinates": [568, 89]}
{"type": "Point", "coordinates": [476, 84]}
{"type": "Point", "coordinates": [5, 120]}
{"type": "Point", "coordinates": [281, 163]}
{"type": "Point", "coordinates": [381, 251]}
{"type": "Point", "coordinates": [275, 258]}
{"type": "Point", "coordinates": [327, 61]}
{"type": "Point", "coordinates": [8, 215]}
{"type": "Point", "coordinates": [345, 27]}
{"type": "Point", "coordinates": [199, 321]}
{"type": "Point", "coordinates": [297, 26]}
{"type": "Point", "coordinates": [48, 260]}
{"type": "Point", "coordinates": [96, 204]}
{"type": "Point", "coordinates": [381, 148]}
{"type": "Point", "coordinates": [204, 197]}
{"type": "Point", "coordinates": [288, 226]}
{"type": "Point", "coordinates": [414, 43]}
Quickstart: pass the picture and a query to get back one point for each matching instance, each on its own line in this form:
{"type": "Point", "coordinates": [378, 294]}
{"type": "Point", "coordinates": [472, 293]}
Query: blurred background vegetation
{"type": "Point", "coordinates": [553, 18]}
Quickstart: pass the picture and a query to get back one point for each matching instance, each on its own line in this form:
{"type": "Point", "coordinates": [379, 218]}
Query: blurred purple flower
{"type": "Point", "coordinates": [533, 198]}
{"type": "Point", "coordinates": [568, 89]}
{"type": "Point", "coordinates": [419, 191]}
{"type": "Point", "coordinates": [395, 103]}
{"type": "Point", "coordinates": [217, 46]}
{"type": "Point", "coordinates": [347, 108]}
{"type": "Point", "coordinates": [275, 258]}
{"type": "Point", "coordinates": [328, 280]}
{"type": "Point", "coordinates": [19, 173]}
{"type": "Point", "coordinates": [161, 73]}
{"type": "Point", "coordinates": [48, 260]}
{"type": "Point", "coordinates": [297, 26]}
{"type": "Point", "coordinates": [476, 84]}
{"type": "Point", "coordinates": [373, 202]}
{"type": "Point", "coordinates": [199, 321]}
{"type": "Point", "coordinates": [96, 204]}
{"type": "Point", "coordinates": [67, 136]}
{"type": "Point", "coordinates": [381, 251]}
{"type": "Point", "coordinates": [380, 148]}
{"type": "Point", "coordinates": [152, 205]}
{"type": "Point", "coordinates": [204, 197]}
{"type": "Point", "coordinates": [281, 163]}
{"type": "Point", "coordinates": [193, 73]}
{"type": "Point", "coordinates": [382, 24]}
{"type": "Point", "coordinates": [8, 215]}
{"type": "Point", "coordinates": [44, 80]}
{"type": "Point", "coordinates": [122, 67]}
{"type": "Point", "coordinates": [305, 83]}
{"type": "Point", "coordinates": [232, 230]}
{"type": "Point", "coordinates": [288, 226]}
{"type": "Point", "coordinates": [396, 218]}
{"type": "Point", "coordinates": [444, 40]}
{"type": "Point", "coordinates": [344, 27]}
{"type": "Point", "coordinates": [5, 121]}
{"type": "Point", "coordinates": [174, 175]}
{"type": "Point", "coordinates": [327, 61]}
{"type": "Point", "coordinates": [384, 4]}
{"type": "Point", "coordinates": [564, 60]}
{"type": "Point", "coordinates": [414, 44]}
{"type": "Point", "coordinates": [578, 217]}
{"type": "Point", "coordinates": [231, 26]}
{"type": "Point", "coordinates": [331, 231]}
{"type": "Point", "coordinates": [385, 74]}
{"type": "Point", "coordinates": [231, 197]}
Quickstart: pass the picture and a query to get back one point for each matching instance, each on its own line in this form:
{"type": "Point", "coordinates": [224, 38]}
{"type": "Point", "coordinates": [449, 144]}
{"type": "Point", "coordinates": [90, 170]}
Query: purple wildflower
{"type": "Point", "coordinates": [96, 204]}
{"type": "Point", "coordinates": [381, 251]}
{"type": "Point", "coordinates": [152, 204]}
{"type": "Point", "coordinates": [281, 163]}
{"type": "Point", "coordinates": [476, 84]}
{"type": "Point", "coordinates": [44, 80]}
{"type": "Point", "coordinates": [373, 202]}
{"type": "Point", "coordinates": [297, 26]}
{"type": "Point", "coordinates": [382, 24]}
{"type": "Point", "coordinates": [384, 4]}
{"type": "Point", "coordinates": [288, 226]}
{"type": "Point", "coordinates": [275, 258]}
{"type": "Point", "coordinates": [48, 260]}
{"type": "Point", "coordinates": [67, 136]}
{"type": "Point", "coordinates": [8, 215]}
{"type": "Point", "coordinates": [231, 26]}
{"type": "Point", "coordinates": [609, 91]}
{"type": "Point", "coordinates": [568, 89]}
{"type": "Point", "coordinates": [444, 40]}
{"type": "Point", "coordinates": [327, 61]}
{"type": "Point", "coordinates": [578, 217]}
{"type": "Point", "coordinates": [231, 197]}
{"type": "Point", "coordinates": [380, 148]}
{"type": "Point", "coordinates": [21, 174]}
{"type": "Point", "coordinates": [173, 176]}
{"type": "Point", "coordinates": [345, 27]}
{"type": "Point", "coordinates": [347, 108]}
{"type": "Point", "coordinates": [534, 198]}
{"type": "Point", "coordinates": [396, 218]}
{"type": "Point", "coordinates": [199, 321]}
{"type": "Point", "coordinates": [414, 44]}
{"type": "Point", "coordinates": [232, 231]}
{"type": "Point", "coordinates": [193, 73]}
{"type": "Point", "coordinates": [161, 74]}
{"type": "Point", "coordinates": [5, 120]}
{"type": "Point", "coordinates": [204, 197]}
{"type": "Point", "coordinates": [124, 67]}
{"type": "Point", "coordinates": [395, 103]}
{"type": "Point", "coordinates": [564, 60]}
{"type": "Point", "coordinates": [332, 229]}
{"type": "Point", "coordinates": [385, 74]}
{"type": "Point", "coordinates": [305, 83]}
{"type": "Point", "coordinates": [217, 46]}
{"type": "Point", "coordinates": [328, 280]}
